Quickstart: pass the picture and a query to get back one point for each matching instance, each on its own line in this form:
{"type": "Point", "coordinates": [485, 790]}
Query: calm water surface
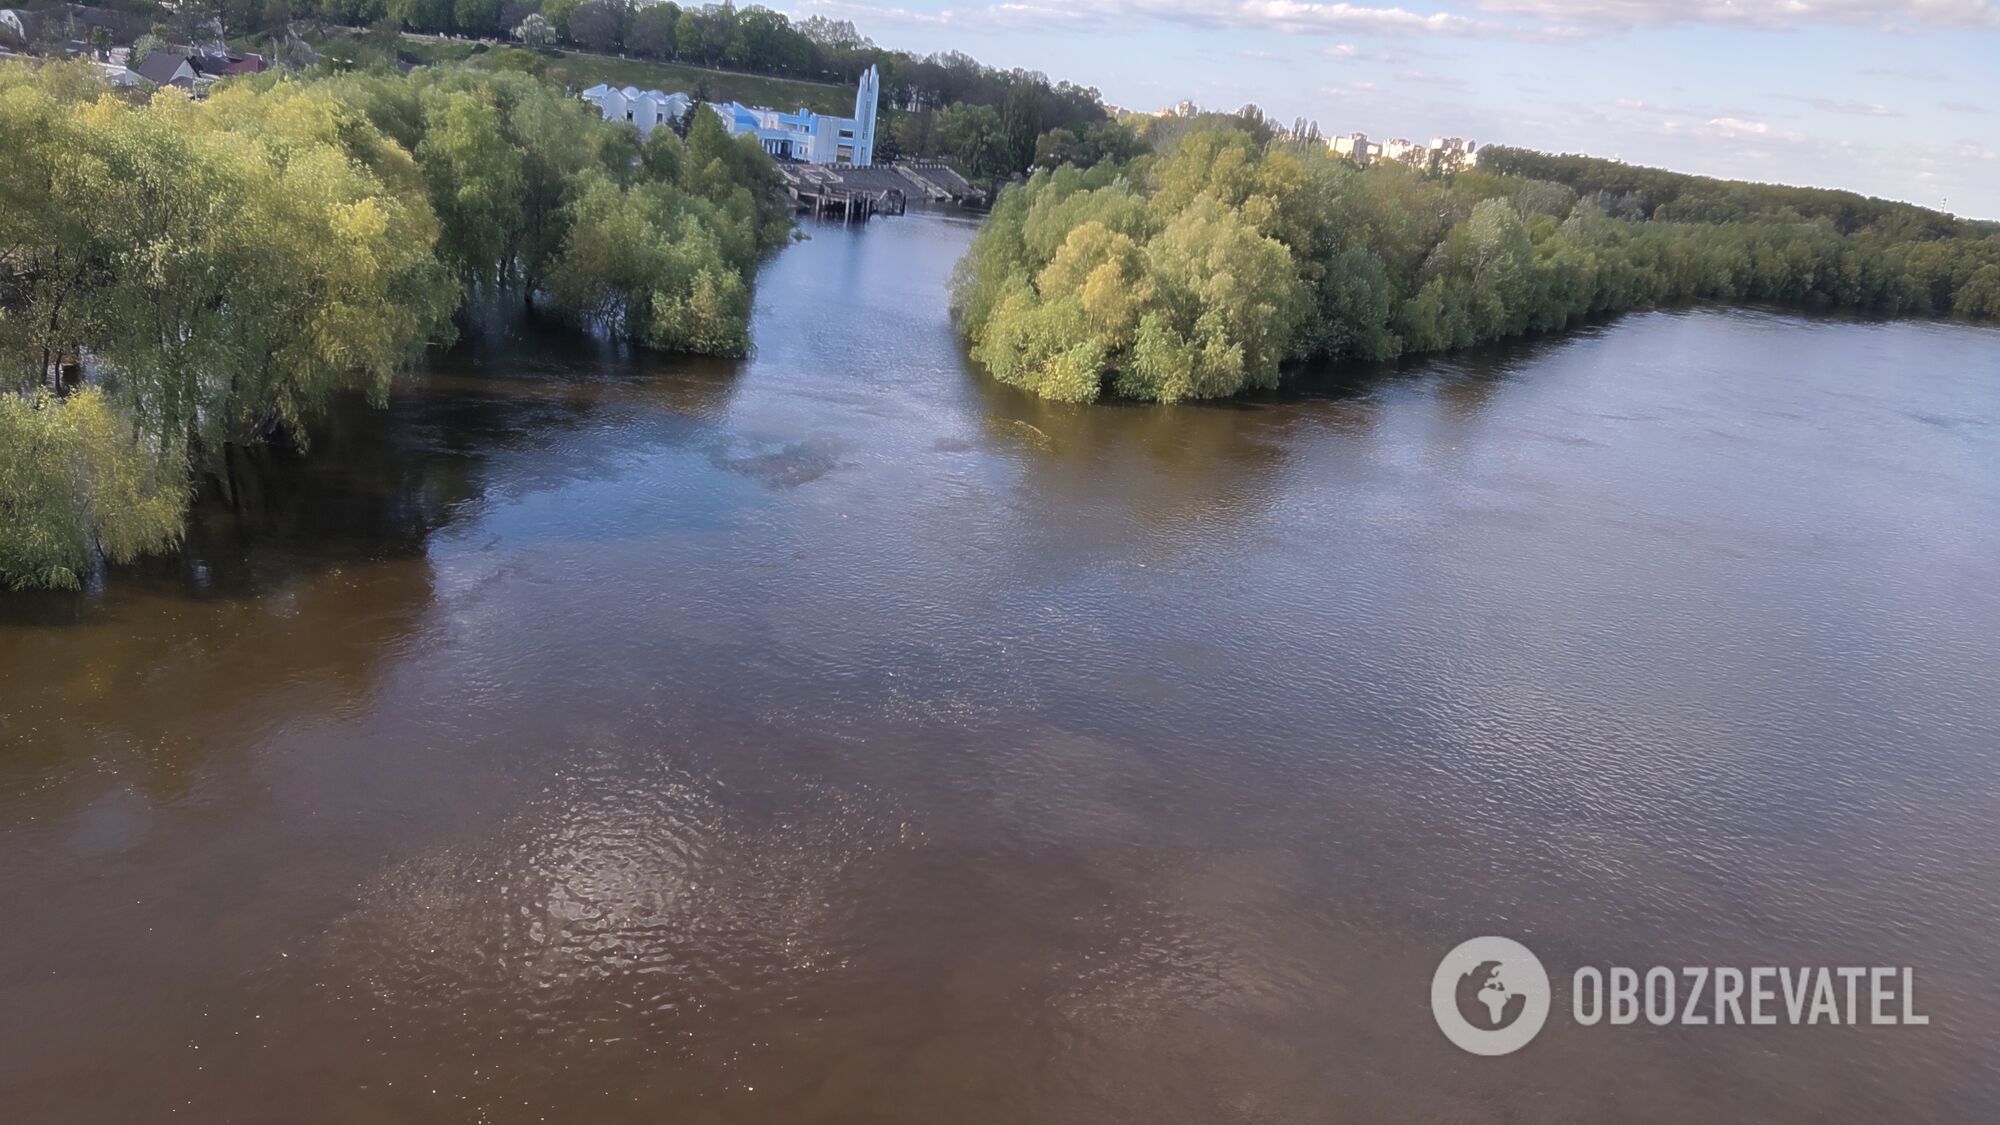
{"type": "Point", "coordinates": [835, 736]}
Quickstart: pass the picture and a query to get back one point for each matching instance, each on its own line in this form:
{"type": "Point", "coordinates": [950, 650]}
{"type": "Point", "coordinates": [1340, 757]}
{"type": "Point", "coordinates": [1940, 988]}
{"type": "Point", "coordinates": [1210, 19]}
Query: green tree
{"type": "Point", "coordinates": [696, 38]}
{"type": "Point", "coordinates": [1020, 124]}
{"type": "Point", "coordinates": [1199, 271]}
{"type": "Point", "coordinates": [422, 15]}
{"type": "Point", "coordinates": [558, 13]}
{"type": "Point", "coordinates": [970, 136]}
{"type": "Point", "coordinates": [652, 32]}
{"type": "Point", "coordinates": [475, 182]}
{"type": "Point", "coordinates": [476, 17]}
{"type": "Point", "coordinates": [179, 278]}
{"type": "Point", "coordinates": [75, 486]}
{"type": "Point", "coordinates": [1980, 295]}
{"type": "Point", "coordinates": [598, 25]}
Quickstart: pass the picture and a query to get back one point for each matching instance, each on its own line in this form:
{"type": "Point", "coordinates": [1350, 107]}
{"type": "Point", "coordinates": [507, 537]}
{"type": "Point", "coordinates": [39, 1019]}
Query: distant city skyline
{"type": "Point", "coordinates": [1899, 100]}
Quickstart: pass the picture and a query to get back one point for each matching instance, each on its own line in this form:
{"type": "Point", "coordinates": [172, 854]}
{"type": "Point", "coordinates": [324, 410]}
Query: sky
{"type": "Point", "coordinates": [1900, 100]}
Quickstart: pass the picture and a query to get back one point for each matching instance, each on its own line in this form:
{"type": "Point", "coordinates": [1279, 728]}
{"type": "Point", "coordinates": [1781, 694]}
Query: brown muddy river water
{"type": "Point", "coordinates": [838, 737]}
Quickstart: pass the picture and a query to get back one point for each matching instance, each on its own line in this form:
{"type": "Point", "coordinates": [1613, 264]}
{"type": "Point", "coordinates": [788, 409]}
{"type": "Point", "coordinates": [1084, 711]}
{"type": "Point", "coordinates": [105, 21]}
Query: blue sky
{"type": "Point", "coordinates": [1893, 99]}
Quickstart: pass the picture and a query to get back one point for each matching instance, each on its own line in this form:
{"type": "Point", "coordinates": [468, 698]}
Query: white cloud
{"type": "Point", "coordinates": [1738, 127]}
{"type": "Point", "coordinates": [1350, 53]}
{"type": "Point", "coordinates": [1529, 20]}
{"type": "Point", "coordinates": [1426, 78]}
{"type": "Point", "coordinates": [1691, 113]}
{"type": "Point", "coordinates": [1296, 15]}
{"type": "Point", "coordinates": [1770, 14]}
{"type": "Point", "coordinates": [1852, 109]}
{"type": "Point", "coordinates": [1299, 17]}
{"type": "Point", "coordinates": [1908, 74]}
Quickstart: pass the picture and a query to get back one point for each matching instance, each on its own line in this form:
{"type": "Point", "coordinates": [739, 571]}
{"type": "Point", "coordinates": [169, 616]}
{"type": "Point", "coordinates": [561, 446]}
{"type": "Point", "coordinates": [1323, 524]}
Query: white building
{"type": "Point", "coordinates": [811, 137]}
{"type": "Point", "coordinates": [1397, 148]}
{"type": "Point", "coordinates": [646, 110]}
{"type": "Point", "coordinates": [1455, 152]}
{"type": "Point", "coordinates": [805, 135]}
{"type": "Point", "coordinates": [1449, 153]}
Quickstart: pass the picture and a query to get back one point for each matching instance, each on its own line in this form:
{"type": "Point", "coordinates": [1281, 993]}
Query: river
{"type": "Point", "coordinates": [839, 736]}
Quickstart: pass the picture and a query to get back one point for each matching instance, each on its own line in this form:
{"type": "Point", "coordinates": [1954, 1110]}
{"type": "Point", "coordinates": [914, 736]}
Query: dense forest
{"type": "Point", "coordinates": [1198, 271]}
{"type": "Point", "coordinates": [1631, 191]}
{"type": "Point", "coordinates": [181, 278]}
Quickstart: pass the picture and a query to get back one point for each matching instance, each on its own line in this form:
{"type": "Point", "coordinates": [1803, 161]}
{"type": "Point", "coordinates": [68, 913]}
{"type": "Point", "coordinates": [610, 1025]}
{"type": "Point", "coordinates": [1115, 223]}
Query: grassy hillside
{"type": "Point", "coordinates": [581, 69]}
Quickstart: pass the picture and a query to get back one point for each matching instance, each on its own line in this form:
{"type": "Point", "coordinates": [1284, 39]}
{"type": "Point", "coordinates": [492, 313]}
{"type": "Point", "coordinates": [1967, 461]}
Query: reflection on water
{"type": "Point", "coordinates": [623, 880]}
{"type": "Point", "coordinates": [838, 735]}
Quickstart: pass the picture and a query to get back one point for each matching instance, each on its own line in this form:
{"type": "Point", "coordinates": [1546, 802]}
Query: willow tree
{"type": "Point", "coordinates": [76, 483]}
{"type": "Point", "coordinates": [1082, 281]}
{"type": "Point", "coordinates": [211, 271]}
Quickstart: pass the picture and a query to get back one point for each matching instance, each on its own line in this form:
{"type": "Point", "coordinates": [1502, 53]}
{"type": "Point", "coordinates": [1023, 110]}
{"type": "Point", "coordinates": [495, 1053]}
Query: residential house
{"type": "Point", "coordinates": [222, 64]}
{"type": "Point", "coordinates": [117, 75]}
{"type": "Point", "coordinates": [164, 68]}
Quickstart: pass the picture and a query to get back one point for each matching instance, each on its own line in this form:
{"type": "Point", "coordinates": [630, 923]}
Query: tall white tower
{"type": "Point", "coordinates": [865, 99]}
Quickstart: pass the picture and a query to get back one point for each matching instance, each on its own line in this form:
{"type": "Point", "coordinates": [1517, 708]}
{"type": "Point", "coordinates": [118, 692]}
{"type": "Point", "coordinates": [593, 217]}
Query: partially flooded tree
{"type": "Point", "coordinates": [180, 279]}
{"type": "Point", "coordinates": [1198, 272]}
{"type": "Point", "coordinates": [77, 484]}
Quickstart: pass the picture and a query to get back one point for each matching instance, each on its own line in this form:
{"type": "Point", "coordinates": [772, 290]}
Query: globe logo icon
{"type": "Point", "coordinates": [1490, 996]}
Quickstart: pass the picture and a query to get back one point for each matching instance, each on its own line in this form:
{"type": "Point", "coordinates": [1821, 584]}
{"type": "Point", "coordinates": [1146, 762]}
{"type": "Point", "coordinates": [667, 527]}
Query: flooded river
{"type": "Point", "coordinates": [838, 737]}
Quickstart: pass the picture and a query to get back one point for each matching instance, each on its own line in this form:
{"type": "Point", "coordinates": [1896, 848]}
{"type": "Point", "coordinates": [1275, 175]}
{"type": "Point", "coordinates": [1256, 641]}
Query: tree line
{"type": "Point", "coordinates": [1198, 272]}
{"type": "Point", "coordinates": [180, 279]}
{"type": "Point", "coordinates": [1638, 192]}
{"type": "Point", "coordinates": [990, 122]}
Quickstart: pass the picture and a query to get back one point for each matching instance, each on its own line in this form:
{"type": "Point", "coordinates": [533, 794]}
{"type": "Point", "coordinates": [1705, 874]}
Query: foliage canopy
{"type": "Point", "coordinates": [1198, 272]}
{"type": "Point", "coordinates": [180, 277]}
